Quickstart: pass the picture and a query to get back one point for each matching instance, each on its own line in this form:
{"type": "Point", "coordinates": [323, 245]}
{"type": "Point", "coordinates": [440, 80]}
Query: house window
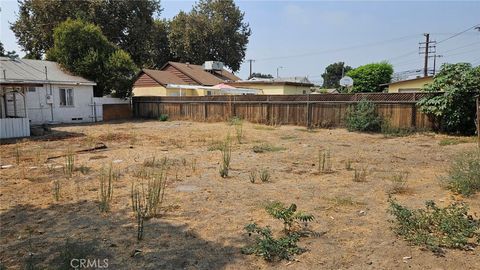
{"type": "Point", "coordinates": [209, 93]}
{"type": "Point", "coordinates": [31, 89]}
{"type": "Point", "coordinates": [66, 97]}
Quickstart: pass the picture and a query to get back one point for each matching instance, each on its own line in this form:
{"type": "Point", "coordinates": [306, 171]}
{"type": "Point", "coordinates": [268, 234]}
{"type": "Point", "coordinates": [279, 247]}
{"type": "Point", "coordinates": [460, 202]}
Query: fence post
{"type": "Point", "coordinates": [205, 110]}
{"type": "Point", "coordinates": [308, 112]}
{"type": "Point", "coordinates": [268, 111]}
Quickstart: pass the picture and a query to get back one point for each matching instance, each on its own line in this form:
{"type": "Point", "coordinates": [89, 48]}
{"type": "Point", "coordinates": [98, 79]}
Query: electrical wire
{"type": "Point", "coordinates": [339, 49]}
{"type": "Point", "coordinates": [459, 33]}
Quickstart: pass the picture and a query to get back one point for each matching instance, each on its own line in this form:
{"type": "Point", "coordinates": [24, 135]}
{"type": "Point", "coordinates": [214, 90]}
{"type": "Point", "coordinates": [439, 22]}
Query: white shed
{"type": "Point", "coordinates": [44, 93]}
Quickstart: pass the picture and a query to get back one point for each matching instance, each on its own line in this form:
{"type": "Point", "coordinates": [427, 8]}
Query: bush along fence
{"type": "Point", "coordinates": [316, 110]}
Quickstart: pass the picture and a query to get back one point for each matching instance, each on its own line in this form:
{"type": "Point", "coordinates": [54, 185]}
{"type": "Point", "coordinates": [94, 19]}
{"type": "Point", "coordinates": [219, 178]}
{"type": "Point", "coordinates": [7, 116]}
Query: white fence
{"type": "Point", "coordinates": [14, 128]}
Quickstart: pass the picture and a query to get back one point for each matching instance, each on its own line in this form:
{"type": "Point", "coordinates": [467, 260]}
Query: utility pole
{"type": "Point", "coordinates": [251, 61]}
{"type": "Point", "coordinates": [435, 62]}
{"type": "Point", "coordinates": [278, 69]}
{"type": "Point", "coordinates": [426, 48]}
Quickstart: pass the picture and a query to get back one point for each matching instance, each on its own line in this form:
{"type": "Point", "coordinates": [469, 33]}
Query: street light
{"type": "Point", "coordinates": [278, 69]}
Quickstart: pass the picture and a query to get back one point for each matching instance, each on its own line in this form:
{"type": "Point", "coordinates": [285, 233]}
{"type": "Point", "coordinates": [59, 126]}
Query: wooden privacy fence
{"type": "Point", "coordinates": [316, 110]}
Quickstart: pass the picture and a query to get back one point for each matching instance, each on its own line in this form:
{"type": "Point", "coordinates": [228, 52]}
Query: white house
{"type": "Point", "coordinates": [43, 93]}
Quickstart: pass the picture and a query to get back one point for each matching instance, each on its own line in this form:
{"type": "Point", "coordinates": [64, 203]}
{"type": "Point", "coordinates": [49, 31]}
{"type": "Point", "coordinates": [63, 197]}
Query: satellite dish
{"type": "Point", "coordinates": [346, 81]}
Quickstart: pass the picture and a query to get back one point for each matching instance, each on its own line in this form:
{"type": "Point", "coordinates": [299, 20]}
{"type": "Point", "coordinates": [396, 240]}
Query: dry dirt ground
{"type": "Point", "coordinates": [201, 225]}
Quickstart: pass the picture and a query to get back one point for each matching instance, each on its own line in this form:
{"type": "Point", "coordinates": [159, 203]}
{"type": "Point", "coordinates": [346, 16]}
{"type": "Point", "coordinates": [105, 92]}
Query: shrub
{"type": "Point", "coordinates": [360, 175]}
{"type": "Point", "coordinates": [398, 183]}
{"type": "Point", "coordinates": [363, 117]}
{"type": "Point", "coordinates": [389, 131]}
{"type": "Point", "coordinates": [252, 176]}
{"type": "Point", "coordinates": [435, 227]}
{"type": "Point", "coordinates": [163, 117]}
{"type": "Point", "coordinates": [264, 175]}
{"type": "Point", "coordinates": [106, 188]}
{"type": "Point", "coordinates": [284, 247]}
{"type": "Point", "coordinates": [288, 215]}
{"type": "Point", "coordinates": [266, 147]}
{"type": "Point", "coordinates": [348, 164]}
{"type": "Point", "coordinates": [270, 248]}
{"type": "Point", "coordinates": [56, 189]}
{"type": "Point", "coordinates": [454, 109]}
{"type": "Point", "coordinates": [147, 200]}
{"type": "Point", "coordinates": [226, 156]}
{"type": "Point", "coordinates": [324, 161]}
{"type": "Point", "coordinates": [464, 173]}
{"type": "Point", "coordinates": [69, 166]}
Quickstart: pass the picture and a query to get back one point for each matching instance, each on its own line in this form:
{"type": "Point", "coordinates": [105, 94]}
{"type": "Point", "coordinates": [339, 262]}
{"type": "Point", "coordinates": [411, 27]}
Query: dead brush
{"type": "Point", "coordinates": [360, 175]}
{"type": "Point", "coordinates": [324, 161]}
{"type": "Point", "coordinates": [147, 199]}
{"type": "Point", "coordinates": [154, 162]}
{"type": "Point", "coordinates": [226, 158]}
{"type": "Point", "coordinates": [106, 179]}
{"type": "Point", "coordinates": [17, 153]}
{"type": "Point", "coordinates": [56, 189]}
{"type": "Point", "coordinates": [264, 175]}
{"type": "Point", "coordinates": [348, 164]}
{"type": "Point", "coordinates": [252, 176]}
{"type": "Point", "coordinates": [398, 183]}
{"type": "Point", "coordinates": [238, 124]}
{"type": "Point", "coordinates": [69, 166]}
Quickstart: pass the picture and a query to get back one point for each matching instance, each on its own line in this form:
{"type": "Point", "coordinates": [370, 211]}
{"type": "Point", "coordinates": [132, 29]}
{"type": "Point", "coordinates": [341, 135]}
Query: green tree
{"type": "Point", "coordinates": [159, 45]}
{"type": "Point", "coordinates": [333, 74]}
{"type": "Point", "coordinates": [368, 78]}
{"type": "Point", "coordinates": [127, 24]}
{"type": "Point", "coordinates": [260, 75]}
{"type": "Point", "coordinates": [454, 109]}
{"type": "Point", "coordinates": [2, 50]}
{"type": "Point", "coordinates": [81, 48]}
{"type": "Point", "coordinates": [212, 30]}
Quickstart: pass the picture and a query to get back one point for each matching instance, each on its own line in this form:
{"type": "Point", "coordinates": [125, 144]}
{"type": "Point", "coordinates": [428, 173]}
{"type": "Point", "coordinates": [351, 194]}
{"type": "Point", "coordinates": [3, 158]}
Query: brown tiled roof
{"type": "Point", "coordinates": [198, 74]}
{"type": "Point", "coordinates": [163, 77]}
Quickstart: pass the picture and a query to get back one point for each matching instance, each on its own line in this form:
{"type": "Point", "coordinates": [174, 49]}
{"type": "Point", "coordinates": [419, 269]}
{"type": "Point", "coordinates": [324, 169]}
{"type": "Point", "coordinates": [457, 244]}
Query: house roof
{"type": "Point", "coordinates": [200, 75]}
{"type": "Point", "coordinates": [272, 82]}
{"type": "Point", "coordinates": [163, 77]}
{"type": "Point", "coordinates": [24, 71]}
{"type": "Point", "coordinates": [408, 80]}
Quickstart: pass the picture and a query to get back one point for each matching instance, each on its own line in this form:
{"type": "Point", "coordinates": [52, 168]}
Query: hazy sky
{"type": "Point", "coordinates": [305, 36]}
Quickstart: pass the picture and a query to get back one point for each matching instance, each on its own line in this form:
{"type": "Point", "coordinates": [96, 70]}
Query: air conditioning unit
{"type": "Point", "coordinates": [213, 65]}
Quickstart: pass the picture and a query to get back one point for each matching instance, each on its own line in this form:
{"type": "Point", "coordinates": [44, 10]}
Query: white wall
{"type": "Point", "coordinates": [99, 101]}
{"type": "Point", "coordinates": [39, 111]}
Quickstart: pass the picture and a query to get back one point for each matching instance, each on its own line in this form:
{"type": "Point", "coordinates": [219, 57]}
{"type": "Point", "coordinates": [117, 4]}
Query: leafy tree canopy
{"type": "Point", "coordinates": [260, 75]}
{"type": "Point", "coordinates": [368, 78]}
{"type": "Point", "coordinates": [333, 74]}
{"type": "Point", "coordinates": [127, 24]}
{"type": "Point", "coordinates": [455, 108]}
{"type": "Point", "coordinates": [81, 48]}
{"type": "Point", "coordinates": [212, 30]}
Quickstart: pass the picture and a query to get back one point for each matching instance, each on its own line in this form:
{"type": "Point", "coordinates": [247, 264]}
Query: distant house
{"type": "Point", "coordinates": [409, 85]}
{"type": "Point", "coordinates": [42, 92]}
{"type": "Point", "coordinates": [184, 79]}
{"type": "Point", "coordinates": [277, 86]}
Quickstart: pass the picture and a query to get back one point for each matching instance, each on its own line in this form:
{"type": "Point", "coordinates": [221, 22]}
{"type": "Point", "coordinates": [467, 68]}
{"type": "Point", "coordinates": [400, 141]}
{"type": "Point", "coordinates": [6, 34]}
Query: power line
{"type": "Point", "coordinates": [459, 33]}
{"type": "Point", "coordinates": [339, 49]}
{"type": "Point", "coordinates": [468, 45]}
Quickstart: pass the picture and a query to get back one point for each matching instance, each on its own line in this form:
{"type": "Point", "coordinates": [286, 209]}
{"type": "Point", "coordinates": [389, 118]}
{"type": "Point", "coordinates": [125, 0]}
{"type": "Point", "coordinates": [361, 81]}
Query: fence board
{"type": "Point", "coordinates": [324, 110]}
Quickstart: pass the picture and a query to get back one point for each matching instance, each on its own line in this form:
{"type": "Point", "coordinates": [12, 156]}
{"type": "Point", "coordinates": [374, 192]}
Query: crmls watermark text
{"type": "Point", "coordinates": [89, 263]}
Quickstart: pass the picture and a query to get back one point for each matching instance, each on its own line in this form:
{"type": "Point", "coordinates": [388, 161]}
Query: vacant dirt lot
{"type": "Point", "coordinates": [201, 226]}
